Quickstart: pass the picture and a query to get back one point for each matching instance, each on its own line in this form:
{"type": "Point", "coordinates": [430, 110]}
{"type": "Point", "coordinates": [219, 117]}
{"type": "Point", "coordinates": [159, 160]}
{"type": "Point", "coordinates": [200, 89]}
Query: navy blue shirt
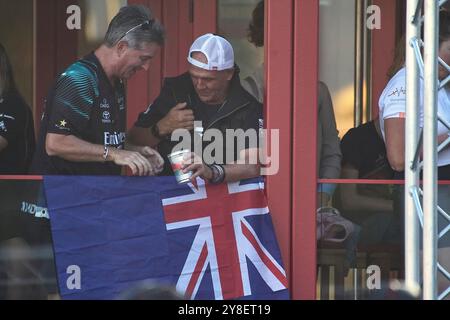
{"type": "Point", "coordinates": [85, 104]}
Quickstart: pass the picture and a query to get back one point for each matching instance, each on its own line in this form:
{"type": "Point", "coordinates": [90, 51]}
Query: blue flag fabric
{"type": "Point", "coordinates": [210, 242]}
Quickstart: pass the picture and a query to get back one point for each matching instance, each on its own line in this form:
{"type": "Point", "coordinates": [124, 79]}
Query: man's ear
{"type": "Point", "coordinates": [230, 74]}
{"type": "Point", "coordinates": [121, 47]}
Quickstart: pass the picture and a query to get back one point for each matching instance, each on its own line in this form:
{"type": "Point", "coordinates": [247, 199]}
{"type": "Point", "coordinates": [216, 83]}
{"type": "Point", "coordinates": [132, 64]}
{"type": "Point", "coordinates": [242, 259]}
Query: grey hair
{"type": "Point", "coordinates": [128, 18]}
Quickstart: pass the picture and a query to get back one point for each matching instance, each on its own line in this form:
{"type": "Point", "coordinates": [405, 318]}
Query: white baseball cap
{"type": "Point", "coordinates": [218, 52]}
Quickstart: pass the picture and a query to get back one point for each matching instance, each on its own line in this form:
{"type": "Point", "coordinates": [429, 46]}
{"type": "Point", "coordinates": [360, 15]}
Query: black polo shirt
{"type": "Point", "coordinates": [85, 104]}
{"type": "Point", "coordinates": [16, 127]}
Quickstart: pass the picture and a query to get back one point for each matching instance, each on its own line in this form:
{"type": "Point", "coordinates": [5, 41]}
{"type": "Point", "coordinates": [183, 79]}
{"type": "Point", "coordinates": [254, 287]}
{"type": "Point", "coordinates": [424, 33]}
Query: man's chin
{"type": "Point", "coordinates": [205, 99]}
{"type": "Point", "coordinates": [209, 100]}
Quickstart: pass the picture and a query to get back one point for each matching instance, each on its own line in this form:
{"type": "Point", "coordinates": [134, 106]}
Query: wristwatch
{"type": "Point", "coordinates": [155, 132]}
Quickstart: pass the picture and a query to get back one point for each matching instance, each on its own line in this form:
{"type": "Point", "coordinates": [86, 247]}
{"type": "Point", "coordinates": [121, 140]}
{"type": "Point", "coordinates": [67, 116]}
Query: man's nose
{"type": "Point", "coordinates": [200, 84]}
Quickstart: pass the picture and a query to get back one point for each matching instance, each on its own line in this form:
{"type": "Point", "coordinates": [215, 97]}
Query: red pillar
{"type": "Point", "coordinates": [145, 85]}
{"type": "Point", "coordinates": [278, 115]}
{"type": "Point", "coordinates": [205, 17]}
{"type": "Point", "coordinates": [291, 106]}
{"type": "Point", "coordinates": [55, 49]}
{"type": "Point", "coordinates": [304, 169]}
{"type": "Point", "coordinates": [185, 26]}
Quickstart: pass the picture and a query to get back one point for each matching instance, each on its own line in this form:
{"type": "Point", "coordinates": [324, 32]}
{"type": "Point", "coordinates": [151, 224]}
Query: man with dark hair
{"type": "Point", "coordinates": [210, 93]}
{"type": "Point", "coordinates": [83, 127]}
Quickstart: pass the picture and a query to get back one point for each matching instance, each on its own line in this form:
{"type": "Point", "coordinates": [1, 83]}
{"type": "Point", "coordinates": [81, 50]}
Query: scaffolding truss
{"type": "Point", "coordinates": [421, 208]}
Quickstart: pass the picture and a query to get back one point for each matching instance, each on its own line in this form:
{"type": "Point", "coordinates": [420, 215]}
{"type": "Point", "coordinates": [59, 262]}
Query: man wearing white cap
{"type": "Point", "coordinates": [209, 92]}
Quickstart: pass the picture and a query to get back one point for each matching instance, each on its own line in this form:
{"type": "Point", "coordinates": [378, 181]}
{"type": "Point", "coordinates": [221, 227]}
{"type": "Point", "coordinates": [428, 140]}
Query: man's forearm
{"type": "Point", "coordinates": [247, 166]}
{"type": "Point", "coordinates": [74, 149]}
{"type": "Point", "coordinates": [236, 172]}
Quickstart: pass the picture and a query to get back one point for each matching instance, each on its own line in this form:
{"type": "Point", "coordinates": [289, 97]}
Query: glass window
{"type": "Point", "coordinates": [233, 18]}
{"type": "Point", "coordinates": [337, 57]}
{"type": "Point", "coordinates": [360, 241]}
{"type": "Point", "coordinates": [96, 15]}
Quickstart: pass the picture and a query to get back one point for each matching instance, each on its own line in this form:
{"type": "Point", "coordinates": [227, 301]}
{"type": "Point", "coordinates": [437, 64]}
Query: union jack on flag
{"type": "Point", "coordinates": [233, 237]}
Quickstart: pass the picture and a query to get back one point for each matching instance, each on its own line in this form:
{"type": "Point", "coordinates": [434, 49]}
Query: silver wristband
{"type": "Point", "coordinates": [218, 174]}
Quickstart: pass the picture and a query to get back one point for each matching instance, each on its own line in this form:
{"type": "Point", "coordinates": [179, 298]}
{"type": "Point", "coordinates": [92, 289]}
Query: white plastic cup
{"type": "Point", "coordinates": [176, 160]}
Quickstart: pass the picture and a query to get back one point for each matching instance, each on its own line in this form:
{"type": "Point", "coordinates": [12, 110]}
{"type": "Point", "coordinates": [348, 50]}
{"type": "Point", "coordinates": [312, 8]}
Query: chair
{"type": "Point", "coordinates": [332, 259]}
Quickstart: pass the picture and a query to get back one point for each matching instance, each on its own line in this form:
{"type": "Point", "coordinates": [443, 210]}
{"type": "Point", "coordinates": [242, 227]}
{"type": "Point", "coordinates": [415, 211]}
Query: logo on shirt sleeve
{"type": "Point", "coordinates": [61, 125]}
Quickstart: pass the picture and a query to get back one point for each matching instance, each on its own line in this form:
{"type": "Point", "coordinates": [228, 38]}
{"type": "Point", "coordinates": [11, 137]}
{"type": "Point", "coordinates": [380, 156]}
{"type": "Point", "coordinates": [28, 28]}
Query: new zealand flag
{"type": "Point", "coordinates": [210, 242]}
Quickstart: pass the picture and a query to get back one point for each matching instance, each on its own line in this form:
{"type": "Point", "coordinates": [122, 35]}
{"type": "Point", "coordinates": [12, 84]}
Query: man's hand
{"type": "Point", "coordinates": [178, 118]}
{"type": "Point", "coordinates": [194, 163]}
{"type": "Point", "coordinates": [155, 159]}
{"type": "Point", "coordinates": [138, 164]}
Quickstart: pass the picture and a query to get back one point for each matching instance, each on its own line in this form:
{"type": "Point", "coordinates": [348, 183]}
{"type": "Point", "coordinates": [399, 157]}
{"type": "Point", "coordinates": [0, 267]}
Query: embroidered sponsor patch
{"type": "Point", "coordinates": [35, 210]}
{"type": "Point", "coordinates": [121, 102]}
{"type": "Point", "coordinates": [61, 125]}
{"type": "Point", "coordinates": [261, 123]}
{"type": "Point", "coordinates": [106, 117]}
{"type": "Point", "coordinates": [104, 104]}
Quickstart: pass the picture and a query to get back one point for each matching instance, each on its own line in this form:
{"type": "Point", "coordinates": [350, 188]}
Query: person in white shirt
{"type": "Point", "coordinates": [392, 106]}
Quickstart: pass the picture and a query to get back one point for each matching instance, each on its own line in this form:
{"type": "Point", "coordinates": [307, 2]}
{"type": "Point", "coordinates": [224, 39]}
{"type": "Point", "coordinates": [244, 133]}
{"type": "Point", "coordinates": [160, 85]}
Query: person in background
{"type": "Point", "coordinates": [16, 123]}
{"type": "Point", "coordinates": [370, 206]}
{"type": "Point", "coordinates": [83, 127]}
{"type": "Point", "coordinates": [328, 149]}
{"type": "Point", "coordinates": [20, 231]}
{"type": "Point", "coordinates": [392, 112]}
